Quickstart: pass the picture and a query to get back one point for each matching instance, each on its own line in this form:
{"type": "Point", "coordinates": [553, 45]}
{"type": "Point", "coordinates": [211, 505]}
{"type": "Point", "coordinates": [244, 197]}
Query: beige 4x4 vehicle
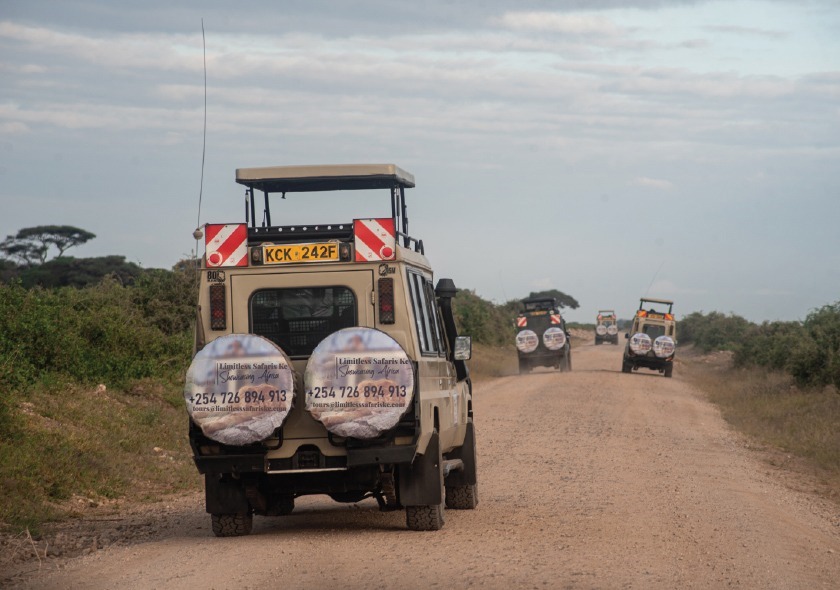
{"type": "Point", "coordinates": [606, 327]}
{"type": "Point", "coordinates": [652, 341]}
{"type": "Point", "coordinates": [327, 362]}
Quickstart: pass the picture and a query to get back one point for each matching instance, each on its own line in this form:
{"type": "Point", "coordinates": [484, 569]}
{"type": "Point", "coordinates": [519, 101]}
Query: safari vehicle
{"type": "Point", "coordinates": [652, 341]}
{"type": "Point", "coordinates": [606, 327]}
{"type": "Point", "coordinates": [326, 361]}
{"type": "Point", "coordinates": [541, 336]}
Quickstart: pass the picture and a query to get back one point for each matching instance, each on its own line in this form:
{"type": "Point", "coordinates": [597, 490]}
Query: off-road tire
{"type": "Point", "coordinates": [669, 370]}
{"type": "Point", "coordinates": [462, 497]}
{"type": "Point", "coordinates": [524, 366]}
{"type": "Point", "coordinates": [626, 367]}
{"type": "Point", "coordinates": [424, 518]}
{"type": "Point", "coordinates": [569, 362]}
{"type": "Point", "coordinates": [431, 517]}
{"type": "Point", "coordinates": [597, 342]}
{"type": "Point", "coordinates": [232, 525]}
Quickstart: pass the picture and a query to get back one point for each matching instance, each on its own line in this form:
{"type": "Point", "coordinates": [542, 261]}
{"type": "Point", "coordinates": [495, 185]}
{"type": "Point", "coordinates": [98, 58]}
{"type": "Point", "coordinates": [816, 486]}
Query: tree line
{"type": "Point", "coordinates": [36, 256]}
{"type": "Point", "coordinates": [808, 350]}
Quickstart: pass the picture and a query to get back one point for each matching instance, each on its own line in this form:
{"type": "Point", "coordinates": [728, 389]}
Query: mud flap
{"type": "Point", "coordinates": [419, 482]}
{"type": "Point", "coordinates": [223, 496]}
{"type": "Point", "coordinates": [465, 453]}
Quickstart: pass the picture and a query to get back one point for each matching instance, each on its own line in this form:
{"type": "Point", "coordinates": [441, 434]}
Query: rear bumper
{"type": "Point", "coordinates": [649, 362]}
{"type": "Point", "coordinates": [305, 462]}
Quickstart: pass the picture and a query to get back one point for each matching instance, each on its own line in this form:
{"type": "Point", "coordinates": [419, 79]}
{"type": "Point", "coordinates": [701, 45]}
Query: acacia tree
{"type": "Point", "coordinates": [563, 300]}
{"type": "Point", "coordinates": [31, 244]}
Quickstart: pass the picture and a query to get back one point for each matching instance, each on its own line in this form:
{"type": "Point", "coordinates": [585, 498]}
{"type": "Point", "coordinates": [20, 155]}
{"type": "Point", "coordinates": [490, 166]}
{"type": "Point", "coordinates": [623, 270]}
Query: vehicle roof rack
{"type": "Point", "coordinates": [318, 178]}
{"type": "Point", "coordinates": [295, 179]}
{"type": "Point", "coordinates": [667, 302]}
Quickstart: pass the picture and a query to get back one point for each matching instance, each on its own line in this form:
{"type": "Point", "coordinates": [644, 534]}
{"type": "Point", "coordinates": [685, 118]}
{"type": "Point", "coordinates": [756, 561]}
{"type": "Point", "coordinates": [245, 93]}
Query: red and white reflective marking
{"type": "Point", "coordinates": [375, 239]}
{"type": "Point", "coordinates": [521, 322]}
{"type": "Point", "coordinates": [556, 318]}
{"type": "Point", "coordinates": [226, 244]}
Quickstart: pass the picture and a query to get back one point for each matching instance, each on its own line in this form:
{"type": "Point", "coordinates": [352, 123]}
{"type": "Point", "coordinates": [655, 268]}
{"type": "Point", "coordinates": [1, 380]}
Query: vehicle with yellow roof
{"type": "Point", "coordinates": [652, 340]}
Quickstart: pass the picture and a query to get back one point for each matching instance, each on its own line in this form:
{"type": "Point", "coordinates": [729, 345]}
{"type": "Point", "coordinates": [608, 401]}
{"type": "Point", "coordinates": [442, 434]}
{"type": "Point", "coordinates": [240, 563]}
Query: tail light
{"type": "Point", "coordinates": [218, 311]}
{"type": "Point", "coordinates": [386, 301]}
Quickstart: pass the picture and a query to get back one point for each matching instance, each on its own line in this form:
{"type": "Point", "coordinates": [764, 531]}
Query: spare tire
{"type": "Point", "coordinates": [359, 382]}
{"type": "Point", "coordinates": [640, 343]}
{"type": "Point", "coordinates": [664, 346]}
{"type": "Point", "coordinates": [554, 338]}
{"type": "Point", "coordinates": [239, 389]}
{"type": "Point", "coordinates": [527, 341]}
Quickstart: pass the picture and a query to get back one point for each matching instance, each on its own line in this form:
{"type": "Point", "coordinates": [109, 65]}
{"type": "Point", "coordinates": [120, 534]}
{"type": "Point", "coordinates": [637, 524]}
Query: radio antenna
{"type": "Point", "coordinates": [198, 234]}
{"type": "Point", "coordinates": [647, 292]}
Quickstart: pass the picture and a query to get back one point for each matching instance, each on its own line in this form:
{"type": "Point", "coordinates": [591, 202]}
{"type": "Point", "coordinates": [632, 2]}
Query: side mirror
{"type": "Point", "coordinates": [626, 335]}
{"type": "Point", "coordinates": [463, 348]}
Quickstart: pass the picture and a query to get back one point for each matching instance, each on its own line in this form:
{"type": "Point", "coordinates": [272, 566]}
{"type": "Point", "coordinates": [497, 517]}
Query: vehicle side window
{"type": "Point", "coordinates": [437, 323]}
{"type": "Point", "coordinates": [298, 319]}
{"type": "Point", "coordinates": [425, 315]}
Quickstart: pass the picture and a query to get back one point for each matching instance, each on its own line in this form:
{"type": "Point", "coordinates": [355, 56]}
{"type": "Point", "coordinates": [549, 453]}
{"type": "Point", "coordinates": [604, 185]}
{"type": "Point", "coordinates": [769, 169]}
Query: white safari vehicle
{"type": "Point", "coordinates": [327, 361]}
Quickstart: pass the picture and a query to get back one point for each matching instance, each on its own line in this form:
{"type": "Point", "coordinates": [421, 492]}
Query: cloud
{"type": "Point", "coordinates": [747, 31]}
{"type": "Point", "coordinates": [568, 24]}
{"type": "Point", "coordinates": [657, 183]}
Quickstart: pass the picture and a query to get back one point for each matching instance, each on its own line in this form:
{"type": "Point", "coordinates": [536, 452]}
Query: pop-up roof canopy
{"type": "Point", "coordinates": [645, 300]}
{"type": "Point", "coordinates": [301, 179]}
{"type": "Point", "coordinates": [283, 179]}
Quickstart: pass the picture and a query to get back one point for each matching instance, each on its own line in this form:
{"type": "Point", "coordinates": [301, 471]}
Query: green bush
{"type": "Point", "coordinates": [486, 322]}
{"type": "Point", "coordinates": [91, 335]}
{"type": "Point", "coordinates": [817, 361]}
{"type": "Point", "coordinates": [770, 345]}
{"type": "Point", "coordinates": [715, 331]}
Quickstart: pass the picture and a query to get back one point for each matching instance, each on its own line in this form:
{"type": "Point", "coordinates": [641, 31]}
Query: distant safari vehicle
{"type": "Point", "coordinates": [542, 339]}
{"type": "Point", "coordinates": [606, 327]}
{"type": "Point", "coordinates": [652, 341]}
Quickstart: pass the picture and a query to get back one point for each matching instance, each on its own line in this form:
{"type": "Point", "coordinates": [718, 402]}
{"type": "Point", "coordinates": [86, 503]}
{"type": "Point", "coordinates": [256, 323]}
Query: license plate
{"type": "Point", "coordinates": [325, 252]}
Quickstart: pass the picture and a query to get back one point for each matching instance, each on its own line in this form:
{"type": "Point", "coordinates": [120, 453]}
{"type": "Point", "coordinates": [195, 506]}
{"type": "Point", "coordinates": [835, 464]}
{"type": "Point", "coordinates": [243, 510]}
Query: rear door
{"type": "Point", "coordinates": [296, 310]}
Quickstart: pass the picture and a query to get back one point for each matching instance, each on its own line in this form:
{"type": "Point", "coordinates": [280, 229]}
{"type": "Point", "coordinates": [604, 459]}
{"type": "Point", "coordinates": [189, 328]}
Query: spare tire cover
{"type": "Point", "coordinates": [600, 329]}
{"type": "Point", "coordinates": [359, 382]}
{"type": "Point", "coordinates": [664, 346]}
{"type": "Point", "coordinates": [527, 341]}
{"type": "Point", "coordinates": [554, 338]}
{"type": "Point", "coordinates": [612, 330]}
{"type": "Point", "coordinates": [640, 343]}
{"type": "Point", "coordinates": [239, 389]}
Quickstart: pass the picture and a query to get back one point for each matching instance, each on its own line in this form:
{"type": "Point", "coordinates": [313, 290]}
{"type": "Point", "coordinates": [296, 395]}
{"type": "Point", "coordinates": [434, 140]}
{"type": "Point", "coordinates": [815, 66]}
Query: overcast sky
{"type": "Point", "coordinates": [609, 149]}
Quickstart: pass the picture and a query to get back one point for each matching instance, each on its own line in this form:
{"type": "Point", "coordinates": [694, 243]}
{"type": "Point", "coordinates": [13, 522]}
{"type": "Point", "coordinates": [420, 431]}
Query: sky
{"type": "Point", "coordinates": [611, 149]}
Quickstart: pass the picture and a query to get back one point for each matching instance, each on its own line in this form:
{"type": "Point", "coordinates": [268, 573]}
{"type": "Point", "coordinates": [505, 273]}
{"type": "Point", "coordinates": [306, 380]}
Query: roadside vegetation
{"type": "Point", "coordinates": [92, 408]}
{"type": "Point", "coordinates": [780, 386]}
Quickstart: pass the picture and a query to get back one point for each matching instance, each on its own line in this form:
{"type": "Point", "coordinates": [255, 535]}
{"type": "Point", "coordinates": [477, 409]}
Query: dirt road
{"type": "Point", "coordinates": [588, 479]}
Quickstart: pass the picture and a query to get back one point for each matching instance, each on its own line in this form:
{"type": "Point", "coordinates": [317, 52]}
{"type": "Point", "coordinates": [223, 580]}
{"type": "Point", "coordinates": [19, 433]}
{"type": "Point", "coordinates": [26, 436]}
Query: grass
{"type": "Point", "coordinates": [64, 443]}
{"type": "Point", "coordinates": [769, 408]}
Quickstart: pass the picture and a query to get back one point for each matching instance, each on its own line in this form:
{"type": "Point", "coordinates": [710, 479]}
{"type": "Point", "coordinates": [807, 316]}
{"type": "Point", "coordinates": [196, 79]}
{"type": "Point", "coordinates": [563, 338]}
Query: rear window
{"type": "Point", "coordinates": [654, 330]}
{"type": "Point", "coordinates": [298, 319]}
